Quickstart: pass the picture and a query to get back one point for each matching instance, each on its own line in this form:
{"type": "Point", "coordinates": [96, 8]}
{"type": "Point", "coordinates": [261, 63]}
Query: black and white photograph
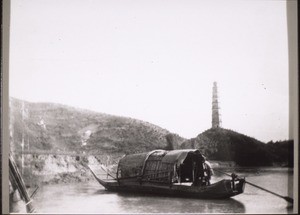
{"type": "Point", "coordinates": [150, 106]}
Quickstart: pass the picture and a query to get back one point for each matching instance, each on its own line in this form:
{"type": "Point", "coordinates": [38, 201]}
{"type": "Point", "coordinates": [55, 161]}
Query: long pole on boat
{"type": "Point", "coordinates": [287, 198]}
{"type": "Point", "coordinates": [23, 143]}
{"type": "Point", "coordinates": [17, 181]}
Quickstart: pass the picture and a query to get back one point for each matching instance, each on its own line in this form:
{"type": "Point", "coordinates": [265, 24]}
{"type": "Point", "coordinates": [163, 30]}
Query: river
{"type": "Point", "coordinates": [91, 197]}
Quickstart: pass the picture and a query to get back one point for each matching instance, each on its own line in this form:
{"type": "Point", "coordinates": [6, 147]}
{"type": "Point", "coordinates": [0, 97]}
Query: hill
{"type": "Point", "coordinates": [227, 145]}
{"type": "Point", "coordinates": [55, 127]}
{"type": "Point", "coordinates": [282, 151]}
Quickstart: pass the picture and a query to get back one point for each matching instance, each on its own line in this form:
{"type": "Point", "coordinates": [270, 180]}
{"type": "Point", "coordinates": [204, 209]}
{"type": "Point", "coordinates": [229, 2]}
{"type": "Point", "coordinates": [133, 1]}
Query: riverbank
{"type": "Point", "coordinates": [53, 169]}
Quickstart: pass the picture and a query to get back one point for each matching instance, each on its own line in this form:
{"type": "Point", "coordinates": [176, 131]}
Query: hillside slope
{"type": "Point", "coordinates": [227, 145]}
{"type": "Point", "coordinates": [48, 126]}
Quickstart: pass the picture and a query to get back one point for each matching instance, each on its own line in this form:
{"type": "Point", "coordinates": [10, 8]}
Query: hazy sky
{"type": "Point", "coordinates": [156, 60]}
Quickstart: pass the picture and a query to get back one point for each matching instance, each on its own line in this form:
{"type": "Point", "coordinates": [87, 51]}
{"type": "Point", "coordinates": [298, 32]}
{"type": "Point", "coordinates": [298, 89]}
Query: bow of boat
{"type": "Point", "coordinates": [101, 181]}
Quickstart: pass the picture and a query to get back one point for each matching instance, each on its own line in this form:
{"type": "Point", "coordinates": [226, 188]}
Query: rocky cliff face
{"type": "Point", "coordinates": [38, 169]}
{"type": "Point", "coordinates": [49, 169]}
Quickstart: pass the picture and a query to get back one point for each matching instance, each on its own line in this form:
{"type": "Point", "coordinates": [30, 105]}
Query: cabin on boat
{"type": "Point", "coordinates": [187, 166]}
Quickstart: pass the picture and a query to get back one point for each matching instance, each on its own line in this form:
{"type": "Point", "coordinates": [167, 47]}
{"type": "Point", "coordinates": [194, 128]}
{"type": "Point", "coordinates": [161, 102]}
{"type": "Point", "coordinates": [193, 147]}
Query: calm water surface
{"type": "Point", "coordinates": [92, 198]}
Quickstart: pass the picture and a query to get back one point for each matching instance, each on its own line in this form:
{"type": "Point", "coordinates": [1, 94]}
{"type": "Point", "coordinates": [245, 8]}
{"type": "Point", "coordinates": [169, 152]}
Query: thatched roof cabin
{"type": "Point", "coordinates": [163, 166]}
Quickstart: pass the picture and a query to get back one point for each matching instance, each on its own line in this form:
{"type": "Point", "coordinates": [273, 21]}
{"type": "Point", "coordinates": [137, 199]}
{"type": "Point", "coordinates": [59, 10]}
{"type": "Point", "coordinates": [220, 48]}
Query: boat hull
{"type": "Point", "coordinates": [220, 190]}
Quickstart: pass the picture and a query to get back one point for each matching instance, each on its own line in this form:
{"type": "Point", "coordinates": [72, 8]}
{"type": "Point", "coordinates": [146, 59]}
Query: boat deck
{"type": "Point", "coordinates": [110, 180]}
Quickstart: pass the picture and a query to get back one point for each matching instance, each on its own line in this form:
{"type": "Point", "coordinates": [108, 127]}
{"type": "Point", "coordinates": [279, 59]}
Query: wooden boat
{"type": "Point", "coordinates": [181, 173]}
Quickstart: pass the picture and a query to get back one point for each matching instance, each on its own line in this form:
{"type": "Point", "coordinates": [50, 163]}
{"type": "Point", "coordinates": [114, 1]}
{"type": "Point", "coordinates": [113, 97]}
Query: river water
{"type": "Point", "coordinates": [91, 197]}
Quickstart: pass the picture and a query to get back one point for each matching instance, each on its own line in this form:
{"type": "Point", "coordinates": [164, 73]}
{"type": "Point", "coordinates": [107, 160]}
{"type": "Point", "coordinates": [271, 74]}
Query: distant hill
{"type": "Point", "coordinates": [282, 151]}
{"type": "Point", "coordinates": [227, 145]}
{"type": "Point", "coordinates": [48, 126]}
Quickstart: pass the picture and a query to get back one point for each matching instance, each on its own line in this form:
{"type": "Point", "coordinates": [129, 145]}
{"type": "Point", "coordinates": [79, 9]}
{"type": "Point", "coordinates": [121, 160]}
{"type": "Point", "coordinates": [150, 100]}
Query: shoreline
{"type": "Point", "coordinates": [49, 169]}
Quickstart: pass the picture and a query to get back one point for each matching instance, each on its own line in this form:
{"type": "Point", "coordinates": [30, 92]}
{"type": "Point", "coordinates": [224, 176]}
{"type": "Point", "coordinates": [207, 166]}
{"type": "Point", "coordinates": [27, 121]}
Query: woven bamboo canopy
{"type": "Point", "coordinates": [157, 165]}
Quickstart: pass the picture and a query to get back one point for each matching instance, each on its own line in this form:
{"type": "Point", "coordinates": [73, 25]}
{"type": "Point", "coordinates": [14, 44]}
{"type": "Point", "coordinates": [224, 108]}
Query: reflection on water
{"type": "Point", "coordinates": [152, 204]}
{"type": "Point", "coordinates": [92, 198]}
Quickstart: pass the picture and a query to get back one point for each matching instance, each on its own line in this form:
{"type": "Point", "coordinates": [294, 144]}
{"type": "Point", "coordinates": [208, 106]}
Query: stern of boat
{"type": "Point", "coordinates": [241, 185]}
{"type": "Point", "coordinates": [238, 185]}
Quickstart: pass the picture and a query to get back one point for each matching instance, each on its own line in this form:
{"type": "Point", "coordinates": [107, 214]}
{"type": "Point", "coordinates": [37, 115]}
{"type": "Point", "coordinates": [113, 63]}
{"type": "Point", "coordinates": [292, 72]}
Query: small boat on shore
{"type": "Point", "coordinates": [183, 173]}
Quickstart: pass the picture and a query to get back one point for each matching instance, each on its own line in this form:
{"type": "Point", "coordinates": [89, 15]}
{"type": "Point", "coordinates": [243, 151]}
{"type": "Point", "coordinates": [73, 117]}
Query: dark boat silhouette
{"type": "Point", "coordinates": [183, 173]}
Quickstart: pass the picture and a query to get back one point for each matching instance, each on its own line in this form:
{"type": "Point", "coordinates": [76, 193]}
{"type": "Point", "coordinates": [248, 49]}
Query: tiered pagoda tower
{"type": "Point", "coordinates": [216, 121]}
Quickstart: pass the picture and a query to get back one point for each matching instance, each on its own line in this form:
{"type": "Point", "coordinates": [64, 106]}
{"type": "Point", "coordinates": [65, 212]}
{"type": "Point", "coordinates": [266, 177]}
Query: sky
{"type": "Point", "coordinates": [157, 60]}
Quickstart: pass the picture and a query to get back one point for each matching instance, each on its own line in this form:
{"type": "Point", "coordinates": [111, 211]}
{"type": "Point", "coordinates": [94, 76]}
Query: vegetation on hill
{"type": "Point", "coordinates": [227, 145]}
{"type": "Point", "coordinates": [282, 151]}
{"type": "Point", "coordinates": [48, 126]}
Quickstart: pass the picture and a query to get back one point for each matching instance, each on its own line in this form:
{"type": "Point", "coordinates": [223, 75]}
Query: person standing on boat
{"type": "Point", "coordinates": [198, 171]}
{"type": "Point", "coordinates": [208, 171]}
{"type": "Point", "coordinates": [234, 178]}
